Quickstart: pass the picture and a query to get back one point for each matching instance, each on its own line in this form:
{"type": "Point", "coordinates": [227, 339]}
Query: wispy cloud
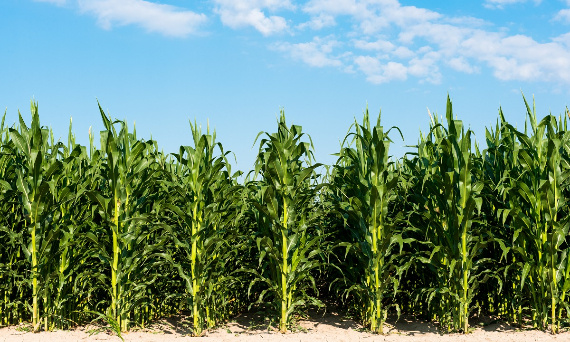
{"type": "Point", "coordinates": [164, 19]}
{"type": "Point", "coordinates": [378, 45]}
{"type": "Point", "coordinates": [500, 4]}
{"type": "Point", "coordinates": [383, 40]}
{"type": "Point", "coordinates": [377, 73]}
{"type": "Point", "coordinates": [54, 2]}
{"type": "Point", "coordinates": [461, 64]}
{"type": "Point", "coordinates": [520, 57]}
{"type": "Point", "coordinates": [563, 16]}
{"type": "Point", "coordinates": [317, 53]}
{"type": "Point", "coordinates": [243, 13]}
{"type": "Point", "coordinates": [393, 42]}
{"type": "Point", "coordinates": [318, 22]}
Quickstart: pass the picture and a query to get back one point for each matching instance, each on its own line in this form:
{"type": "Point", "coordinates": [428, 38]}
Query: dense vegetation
{"type": "Point", "coordinates": [131, 234]}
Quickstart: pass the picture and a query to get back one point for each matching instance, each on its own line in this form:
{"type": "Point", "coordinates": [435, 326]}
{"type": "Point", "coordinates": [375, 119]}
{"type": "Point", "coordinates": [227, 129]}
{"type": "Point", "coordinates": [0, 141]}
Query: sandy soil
{"type": "Point", "coordinates": [320, 328]}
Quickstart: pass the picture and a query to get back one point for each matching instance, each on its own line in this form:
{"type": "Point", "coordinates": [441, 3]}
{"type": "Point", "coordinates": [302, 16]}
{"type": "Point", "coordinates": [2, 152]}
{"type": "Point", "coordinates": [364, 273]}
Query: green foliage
{"type": "Point", "coordinates": [366, 184]}
{"type": "Point", "coordinates": [128, 234]}
{"type": "Point", "coordinates": [287, 238]}
{"type": "Point", "coordinates": [535, 189]}
{"type": "Point", "coordinates": [195, 220]}
{"type": "Point", "coordinates": [449, 203]}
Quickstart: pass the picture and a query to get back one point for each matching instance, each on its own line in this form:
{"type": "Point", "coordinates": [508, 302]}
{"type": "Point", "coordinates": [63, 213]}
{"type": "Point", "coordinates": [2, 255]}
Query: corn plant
{"type": "Point", "coordinates": [12, 263]}
{"type": "Point", "coordinates": [68, 190]}
{"type": "Point", "coordinates": [500, 172]}
{"type": "Point", "coordinates": [199, 181]}
{"type": "Point", "coordinates": [35, 168]}
{"type": "Point", "coordinates": [288, 241]}
{"type": "Point", "coordinates": [367, 185]}
{"type": "Point", "coordinates": [450, 202]}
{"type": "Point", "coordinates": [131, 234]}
{"type": "Point", "coordinates": [537, 205]}
{"type": "Point", "coordinates": [126, 183]}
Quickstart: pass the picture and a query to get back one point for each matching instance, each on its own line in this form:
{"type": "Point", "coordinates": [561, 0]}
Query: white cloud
{"type": "Point", "coordinates": [467, 21]}
{"type": "Point", "coordinates": [55, 2]}
{"type": "Point", "coordinates": [446, 36]}
{"type": "Point", "coordinates": [426, 67]}
{"type": "Point", "coordinates": [461, 64]}
{"type": "Point", "coordinates": [516, 57]}
{"type": "Point", "coordinates": [368, 65]}
{"type": "Point", "coordinates": [395, 71]}
{"type": "Point", "coordinates": [520, 57]}
{"type": "Point", "coordinates": [164, 19]}
{"type": "Point", "coordinates": [373, 15]}
{"type": "Point", "coordinates": [379, 45]}
{"type": "Point", "coordinates": [500, 4]}
{"type": "Point", "coordinates": [389, 49]}
{"type": "Point", "coordinates": [317, 53]}
{"type": "Point", "coordinates": [378, 73]}
{"type": "Point", "coordinates": [563, 40]}
{"type": "Point", "coordinates": [563, 15]}
{"type": "Point", "coordinates": [388, 41]}
{"type": "Point", "coordinates": [406, 15]}
{"type": "Point", "coordinates": [335, 7]}
{"type": "Point", "coordinates": [421, 41]}
{"type": "Point", "coordinates": [318, 22]}
{"type": "Point", "coordinates": [403, 52]}
{"type": "Point", "coordinates": [242, 13]}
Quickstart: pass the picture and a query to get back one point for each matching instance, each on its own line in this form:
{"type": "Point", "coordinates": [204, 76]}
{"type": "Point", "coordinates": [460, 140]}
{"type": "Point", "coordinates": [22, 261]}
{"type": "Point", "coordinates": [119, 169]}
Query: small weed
{"type": "Point", "coordinates": [24, 328]}
{"type": "Point", "coordinates": [113, 325]}
{"type": "Point", "coordinates": [96, 331]}
{"type": "Point", "coordinates": [296, 327]}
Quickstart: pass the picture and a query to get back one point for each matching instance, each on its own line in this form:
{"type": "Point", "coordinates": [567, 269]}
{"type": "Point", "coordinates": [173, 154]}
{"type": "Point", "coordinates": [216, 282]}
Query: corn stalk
{"type": "Point", "coordinates": [537, 205]}
{"type": "Point", "coordinates": [127, 181]}
{"type": "Point", "coordinates": [35, 169]}
{"type": "Point", "coordinates": [200, 183]}
{"type": "Point", "coordinates": [449, 201]}
{"type": "Point", "coordinates": [367, 184]}
{"type": "Point", "coordinates": [287, 240]}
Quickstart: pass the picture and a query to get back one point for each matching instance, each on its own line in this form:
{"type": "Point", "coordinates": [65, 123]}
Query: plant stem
{"type": "Point", "coordinates": [114, 300]}
{"type": "Point", "coordinates": [283, 322]}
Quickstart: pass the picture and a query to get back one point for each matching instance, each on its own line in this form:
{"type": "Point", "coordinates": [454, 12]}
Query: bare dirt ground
{"type": "Point", "coordinates": [326, 327]}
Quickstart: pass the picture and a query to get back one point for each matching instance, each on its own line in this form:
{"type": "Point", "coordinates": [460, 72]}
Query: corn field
{"type": "Point", "coordinates": [450, 232]}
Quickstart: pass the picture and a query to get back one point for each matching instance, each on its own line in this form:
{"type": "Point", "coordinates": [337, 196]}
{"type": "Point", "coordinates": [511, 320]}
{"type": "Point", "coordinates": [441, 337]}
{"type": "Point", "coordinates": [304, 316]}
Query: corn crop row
{"type": "Point", "coordinates": [449, 232]}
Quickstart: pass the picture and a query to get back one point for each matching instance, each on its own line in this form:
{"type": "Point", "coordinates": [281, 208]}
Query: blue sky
{"type": "Point", "coordinates": [236, 63]}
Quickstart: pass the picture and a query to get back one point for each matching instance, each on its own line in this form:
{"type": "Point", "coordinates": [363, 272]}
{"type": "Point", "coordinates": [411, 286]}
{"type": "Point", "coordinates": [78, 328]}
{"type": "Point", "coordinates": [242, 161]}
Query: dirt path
{"type": "Point", "coordinates": [327, 328]}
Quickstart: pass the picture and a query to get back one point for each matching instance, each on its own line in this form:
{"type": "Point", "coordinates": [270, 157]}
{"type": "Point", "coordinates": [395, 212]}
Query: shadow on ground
{"type": "Point", "coordinates": [259, 320]}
